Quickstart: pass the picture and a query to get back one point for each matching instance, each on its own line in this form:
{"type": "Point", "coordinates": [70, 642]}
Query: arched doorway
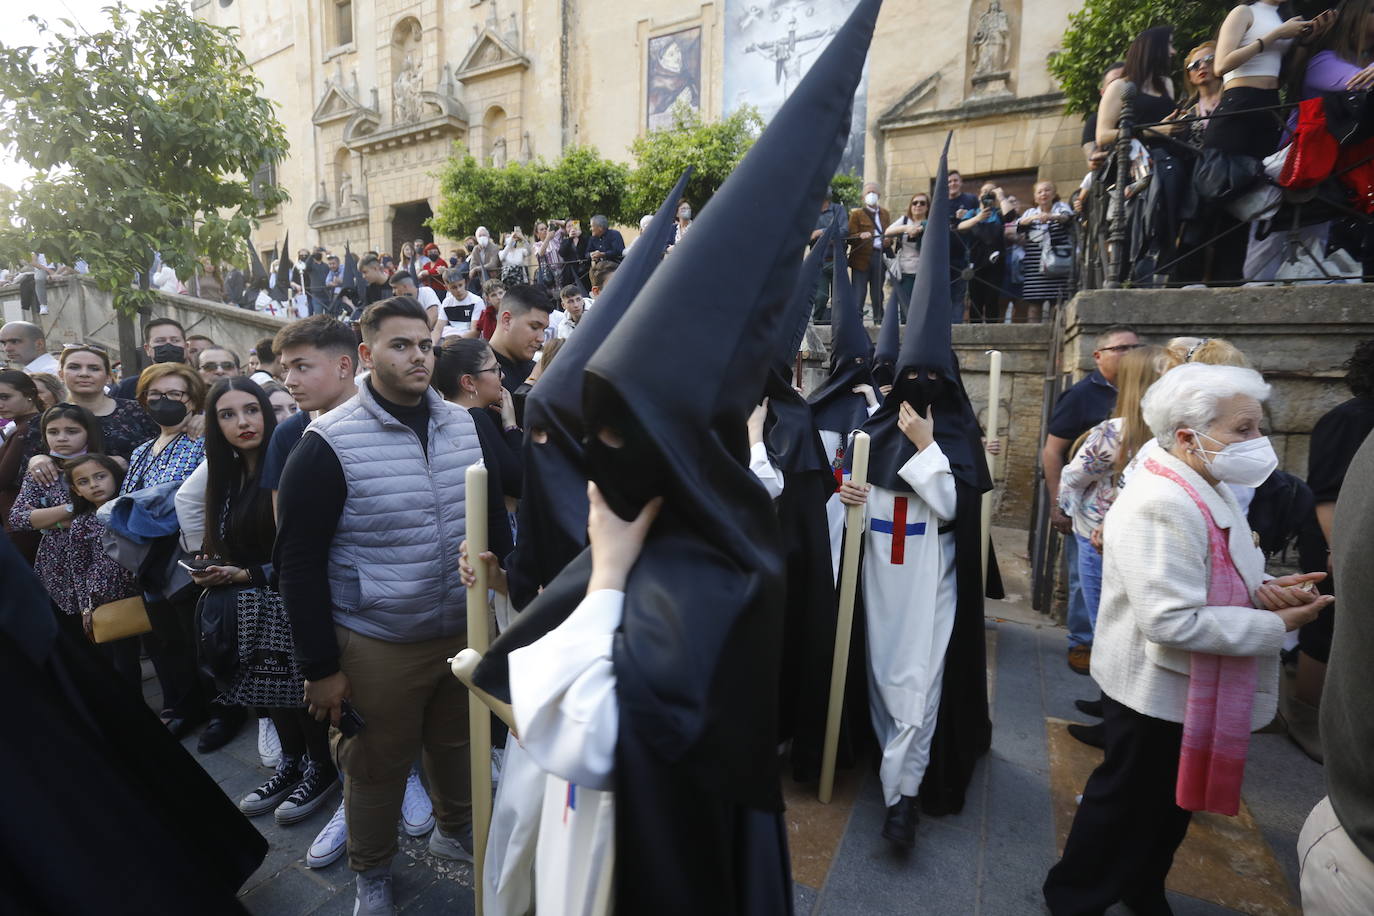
{"type": "Point", "coordinates": [408, 224]}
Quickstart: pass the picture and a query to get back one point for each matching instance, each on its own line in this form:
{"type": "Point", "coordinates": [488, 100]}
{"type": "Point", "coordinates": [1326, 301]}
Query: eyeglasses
{"type": "Point", "coordinates": [93, 347]}
{"type": "Point", "coordinates": [1200, 62]}
{"type": "Point", "coordinates": [500, 373]}
{"type": "Point", "coordinates": [221, 367]}
{"type": "Point", "coordinates": [179, 396]}
{"type": "Point", "coordinates": [1122, 348]}
{"type": "Point", "coordinates": [920, 203]}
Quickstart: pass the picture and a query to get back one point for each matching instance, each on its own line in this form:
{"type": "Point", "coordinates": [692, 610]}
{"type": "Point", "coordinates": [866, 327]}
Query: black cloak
{"type": "Point", "coordinates": [963, 730]}
{"type": "Point", "coordinates": [281, 283]}
{"type": "Point", "coordinates": [98, 792]}
{"type": "Point", "coordinates": [698, 802]}
{"type": "Point", "coordinates": [552, 518]}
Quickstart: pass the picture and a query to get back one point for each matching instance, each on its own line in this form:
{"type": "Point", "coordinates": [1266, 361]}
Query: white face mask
{"type": "Point", "coordinates": [871, 199]}
{"type": "Point", "coordinates": [484, 240]}
{"type": "Point", "coordinates": [1246, 464]}
{"type": "Point", "coordinates": [684, 213]}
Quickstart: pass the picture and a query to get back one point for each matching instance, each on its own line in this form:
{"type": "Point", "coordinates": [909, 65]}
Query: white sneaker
{"type": "Point", "coordinates": [374, 894]}
{"type": "Point", "coordinates": [330, 843]}
{"type": "Point", "coordinates": [42, 310]}
{"type": "Point", "coordinates": [269, 745]}
{"type": "Point", "coordinates": [458, 848]}
{"type": "Point", "coordinates": [417, 812]}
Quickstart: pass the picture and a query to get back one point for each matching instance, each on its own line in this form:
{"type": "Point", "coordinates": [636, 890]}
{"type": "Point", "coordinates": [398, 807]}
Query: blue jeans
{"type": "Point", "coordinates": [958, 288]}
{"type": "Point", "coordinates": [1080, 624]}
{"type": "Point", "coordinates": [1089, 582]}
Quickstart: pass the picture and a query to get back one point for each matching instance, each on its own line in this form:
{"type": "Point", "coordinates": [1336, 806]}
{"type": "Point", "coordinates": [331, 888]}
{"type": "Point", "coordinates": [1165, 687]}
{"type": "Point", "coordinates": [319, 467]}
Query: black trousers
{"type": "Point", "coordinates": [1128, 827]}
{"type": "Point", "coordinates": [872, 280]}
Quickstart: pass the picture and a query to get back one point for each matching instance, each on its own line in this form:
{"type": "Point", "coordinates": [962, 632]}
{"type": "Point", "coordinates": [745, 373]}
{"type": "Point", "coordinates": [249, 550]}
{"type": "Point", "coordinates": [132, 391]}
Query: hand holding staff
{"type": "Point", "coordinates": [844, 624]}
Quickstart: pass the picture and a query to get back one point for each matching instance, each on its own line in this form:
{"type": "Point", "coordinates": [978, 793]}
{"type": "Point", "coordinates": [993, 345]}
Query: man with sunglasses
{"type": "Point", "coordinates": [1078, 410]}
{"type": "Point", "coordinates": [215, 363]}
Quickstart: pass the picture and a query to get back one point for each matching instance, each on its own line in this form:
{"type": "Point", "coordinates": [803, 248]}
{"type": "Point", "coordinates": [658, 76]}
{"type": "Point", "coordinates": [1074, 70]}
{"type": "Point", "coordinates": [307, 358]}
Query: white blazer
{"type": "Point", "coordinates": [1154, 611]}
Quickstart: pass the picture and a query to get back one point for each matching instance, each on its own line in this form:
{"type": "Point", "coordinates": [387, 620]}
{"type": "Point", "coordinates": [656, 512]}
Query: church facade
{"type": "Point", "coordinates": [376, 94]}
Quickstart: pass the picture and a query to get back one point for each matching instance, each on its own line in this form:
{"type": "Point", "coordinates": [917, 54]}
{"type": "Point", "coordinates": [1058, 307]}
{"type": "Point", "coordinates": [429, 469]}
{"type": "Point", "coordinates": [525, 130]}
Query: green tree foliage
{"type": "Point", "coordinates": [578, 185]}
{"type": "Point", "coordinates": [1099, 34]}
{"type": "Point", "coordinates": [847, 189]}
{"type": "Point", "coordinates": [144, 136]}
{"type": "Point", "coordinates": [714, 148]}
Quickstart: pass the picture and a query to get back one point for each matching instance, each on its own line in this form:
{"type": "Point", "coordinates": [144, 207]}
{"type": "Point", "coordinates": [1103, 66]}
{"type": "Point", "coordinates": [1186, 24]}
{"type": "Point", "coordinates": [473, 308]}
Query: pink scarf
{"type": "Point", "coordinates": [1221, 690]}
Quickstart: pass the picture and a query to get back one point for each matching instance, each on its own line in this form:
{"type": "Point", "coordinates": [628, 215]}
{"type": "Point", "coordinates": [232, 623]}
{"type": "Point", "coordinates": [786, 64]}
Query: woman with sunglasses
{"type": "Point", "coordinates": [124, 424]}
{"type": "Point", "coordinates": [907, 231]}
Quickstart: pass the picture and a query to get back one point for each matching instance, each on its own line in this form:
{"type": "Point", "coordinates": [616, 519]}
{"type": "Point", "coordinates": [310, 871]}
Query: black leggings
{"type": "Point", "coordinates": [300, 734]}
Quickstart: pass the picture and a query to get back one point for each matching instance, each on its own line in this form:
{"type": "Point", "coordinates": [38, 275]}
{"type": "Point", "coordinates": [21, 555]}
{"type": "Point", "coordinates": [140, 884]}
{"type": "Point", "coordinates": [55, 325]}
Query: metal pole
{"type": "Point", "coordinates": [1116, 212]}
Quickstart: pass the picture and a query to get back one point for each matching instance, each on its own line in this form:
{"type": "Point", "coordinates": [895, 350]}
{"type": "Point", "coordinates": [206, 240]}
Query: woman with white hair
{"type": "Point", "coordinates": [1187, 641]}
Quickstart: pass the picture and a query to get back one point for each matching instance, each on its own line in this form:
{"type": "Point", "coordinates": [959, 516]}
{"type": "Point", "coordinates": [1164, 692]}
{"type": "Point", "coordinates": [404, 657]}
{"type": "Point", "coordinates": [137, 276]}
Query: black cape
{"type": "Point", "coordinates": [98, 790]}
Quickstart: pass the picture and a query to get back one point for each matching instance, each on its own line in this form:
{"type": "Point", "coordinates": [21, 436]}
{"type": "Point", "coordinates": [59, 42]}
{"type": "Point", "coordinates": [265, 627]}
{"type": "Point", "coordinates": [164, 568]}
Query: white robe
{"type": "Point", "coordinates": [834, 509]}
{"type": "Point", "coordinates": [563, 695]}
{"type": "Point", "coordinates": [909, 604]}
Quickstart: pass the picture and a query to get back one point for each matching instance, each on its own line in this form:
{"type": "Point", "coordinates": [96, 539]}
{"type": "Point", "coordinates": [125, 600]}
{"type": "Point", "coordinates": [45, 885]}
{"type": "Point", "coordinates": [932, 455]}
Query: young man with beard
{"type": "Point", "coordinates": [370, 517]}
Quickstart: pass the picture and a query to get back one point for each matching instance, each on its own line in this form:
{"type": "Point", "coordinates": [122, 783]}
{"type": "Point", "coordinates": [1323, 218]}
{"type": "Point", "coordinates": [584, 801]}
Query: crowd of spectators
{"type": "Point", "coordinates": [1248, 164]}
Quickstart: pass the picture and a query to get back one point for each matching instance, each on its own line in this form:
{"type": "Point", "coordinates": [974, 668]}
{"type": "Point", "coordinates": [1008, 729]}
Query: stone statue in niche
{"type": "Point", "coordinates": [345, 193]}
{"type": "Point", "coordinates": [526, 152]}
{"type": "Point", "coordinates": [406, 91]}
{"type": "Point", "coordinates": [498, 153]}
{"type": "Point", "coordinates": [991, 41]}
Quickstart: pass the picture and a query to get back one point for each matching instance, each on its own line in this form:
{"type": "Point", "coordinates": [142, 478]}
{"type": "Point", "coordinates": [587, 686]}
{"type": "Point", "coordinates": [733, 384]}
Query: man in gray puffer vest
{"type": "Point", "coordinates": [371, 513]}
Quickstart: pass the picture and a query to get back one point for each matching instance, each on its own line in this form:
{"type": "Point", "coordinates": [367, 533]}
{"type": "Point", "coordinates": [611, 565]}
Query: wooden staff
{"type": "Point", "coordinates": [994, 405]}
{"type": "Point", "coordinates": [479, 720]}
{"type": "Point", "coordinates": [844, 624]}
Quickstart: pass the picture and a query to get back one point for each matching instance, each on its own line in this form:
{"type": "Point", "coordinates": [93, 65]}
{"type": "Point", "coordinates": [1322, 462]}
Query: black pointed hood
{"type": "Point", "coordinates": [726, 340]}
{"type": "Point", "coordinates": [885, 354]}
{"type": "Point", "coordinates": [927, 353]}
{"type": "Point", "coordinates": [553, 510]}
{"type": "Point", "coordinates": [257, 278]}
{"type": "Point", "coordinates": [281, 283]}
{"type": "Point", "coordinates": [353, 277]}
{"type": "Point", "coordinates": [834, 404]}
{"type": "Point", "coordinates": [792, 331]}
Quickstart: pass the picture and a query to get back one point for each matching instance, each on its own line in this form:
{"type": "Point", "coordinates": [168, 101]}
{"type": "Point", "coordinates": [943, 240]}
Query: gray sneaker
{"type": "Point", "coordinates": [457, 848]}
{"type": "Point", "coordinates": [374, 893]}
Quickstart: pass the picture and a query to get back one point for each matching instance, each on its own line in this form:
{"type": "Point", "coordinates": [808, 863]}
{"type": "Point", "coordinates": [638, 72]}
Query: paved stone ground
{"type": "Point", "coordinates": [987, 861]}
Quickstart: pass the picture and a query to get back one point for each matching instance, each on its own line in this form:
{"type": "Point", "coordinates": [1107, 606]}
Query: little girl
{"type": "Point", "coordinates": [96, 578]}
{"type": "Point", "coordinates": [67, 431]}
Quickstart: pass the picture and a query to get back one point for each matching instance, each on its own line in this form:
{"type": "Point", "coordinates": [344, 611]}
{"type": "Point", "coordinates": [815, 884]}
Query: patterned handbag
{"type": "Point", "coordinates": [266, 674]}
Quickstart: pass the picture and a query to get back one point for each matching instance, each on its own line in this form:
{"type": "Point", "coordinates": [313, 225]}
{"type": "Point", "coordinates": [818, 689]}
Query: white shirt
{"type": "Point", "coordinates": [454, 326]}
{"type": "Point", "coordinates": [427, 297]}
{"type": "Point", "coordinates": [45, 362]}
{"type": "Point", "coordinates": [566, 325]}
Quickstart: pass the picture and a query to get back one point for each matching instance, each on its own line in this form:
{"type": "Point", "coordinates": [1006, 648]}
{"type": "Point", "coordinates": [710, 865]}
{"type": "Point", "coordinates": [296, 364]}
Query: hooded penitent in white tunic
{"type": "Point", "coordinates": [909, 604]}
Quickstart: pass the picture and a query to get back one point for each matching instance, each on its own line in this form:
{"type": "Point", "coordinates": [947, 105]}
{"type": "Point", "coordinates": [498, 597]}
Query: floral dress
{"type": "Point", "coordinates": [96, 578]}
{"type": "Point", "coordinates": [53, 562]}
{"type": "Point", "coordinates": [1088, 485]}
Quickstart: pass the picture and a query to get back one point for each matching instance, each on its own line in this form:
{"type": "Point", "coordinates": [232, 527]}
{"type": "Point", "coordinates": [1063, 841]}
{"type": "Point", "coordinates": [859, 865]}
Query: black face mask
{"type": "Point", "coordinates": [169, 353]}
{"type": "Point", "coordinates": [924, 393]}
{"type": "Point", "coordinates": [629, 476]}
{"type": "Point", "coordinates": [166, 412]}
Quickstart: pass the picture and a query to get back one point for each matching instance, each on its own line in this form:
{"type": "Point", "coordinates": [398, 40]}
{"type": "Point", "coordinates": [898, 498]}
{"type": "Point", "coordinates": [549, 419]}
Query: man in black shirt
{"type": "Point", "coordinates": [520, 324]}
{"type": "Point", "coordinates": [370, 518]}
{"type": "Point", "coordinates": [377, 286]}
{"type": "Point", "coordinates": [1078, 410]}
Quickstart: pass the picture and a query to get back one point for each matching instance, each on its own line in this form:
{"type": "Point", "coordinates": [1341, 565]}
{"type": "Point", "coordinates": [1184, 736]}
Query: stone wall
{"type": "Point", "coordinates": [77, 311]}
{"type": "Point", "coordinates": [1296, 336]}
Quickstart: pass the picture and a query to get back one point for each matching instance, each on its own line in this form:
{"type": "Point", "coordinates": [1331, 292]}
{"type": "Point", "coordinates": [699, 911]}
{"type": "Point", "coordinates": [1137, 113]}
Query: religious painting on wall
{"type": "Point", "coordinates": [674, 76]}
{"type": "Point", "coordinates": [769, 46]}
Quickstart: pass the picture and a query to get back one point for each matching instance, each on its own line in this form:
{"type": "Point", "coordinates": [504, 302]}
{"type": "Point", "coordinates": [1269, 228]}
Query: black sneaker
{"type": "Point", "coordinates": [315, 789]}
{"type": "Point", "coordinates": [270, 794]}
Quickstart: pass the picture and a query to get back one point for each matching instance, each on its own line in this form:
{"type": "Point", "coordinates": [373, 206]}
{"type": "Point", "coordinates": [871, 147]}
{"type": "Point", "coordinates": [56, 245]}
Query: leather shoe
{"type": "Point", "coordinates": [1091, 735]}
{"type": "Point", "coordinates": [900, 826]}
{"type": "Point", "coordinates": [181, 726]}
{"type": "Point", "coordinates": [1080, 659]}
{"type": "Point", "coordinates": [217, 734]}
{"type": "Point", "coordinates": [1089, 707]}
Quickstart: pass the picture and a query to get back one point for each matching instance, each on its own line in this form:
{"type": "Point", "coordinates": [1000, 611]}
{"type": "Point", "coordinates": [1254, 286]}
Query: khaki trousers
{"type": "Point", "coordinates": [1336, 878]}
{"type": "Point", "coordinates": [410, 701]}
